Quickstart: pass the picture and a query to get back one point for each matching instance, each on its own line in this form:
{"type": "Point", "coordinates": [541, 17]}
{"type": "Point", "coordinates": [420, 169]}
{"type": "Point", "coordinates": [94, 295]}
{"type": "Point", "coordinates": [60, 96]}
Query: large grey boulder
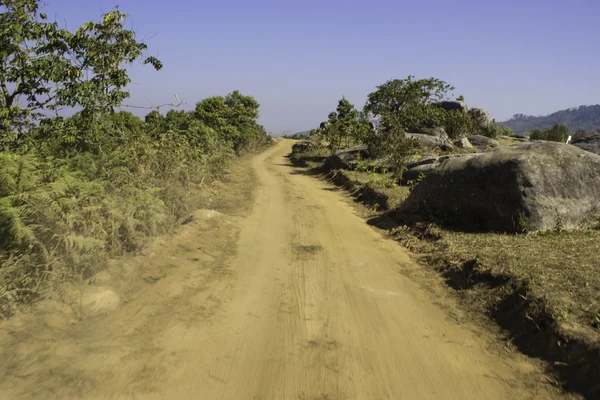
{"type": "Point", "coordinates": [482, 143]}
{"type": "Point", "coordinates": [452, 105]}
{"type": "Point", "coordinates": [529, 186]}
{"type": "Point", "coordinates": [589, 143]}
{"type": "Point", "coordinates": [346, 158]}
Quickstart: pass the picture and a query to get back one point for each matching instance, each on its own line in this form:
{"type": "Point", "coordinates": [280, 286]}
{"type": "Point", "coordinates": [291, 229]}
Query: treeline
{"type": "Point", "coordinates": [578, 119]}
{"type": "Point", "coordinates": [76, 190]}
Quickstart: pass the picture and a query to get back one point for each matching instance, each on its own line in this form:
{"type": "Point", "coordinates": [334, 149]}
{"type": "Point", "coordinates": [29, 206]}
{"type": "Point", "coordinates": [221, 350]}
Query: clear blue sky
{"type": "Point", "coordinates": [298, 58]}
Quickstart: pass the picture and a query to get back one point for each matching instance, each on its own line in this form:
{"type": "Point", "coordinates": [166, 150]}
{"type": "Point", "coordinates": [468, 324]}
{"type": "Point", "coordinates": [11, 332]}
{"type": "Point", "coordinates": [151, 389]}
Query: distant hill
{"type": "Point", "coordinates": [578, 118]}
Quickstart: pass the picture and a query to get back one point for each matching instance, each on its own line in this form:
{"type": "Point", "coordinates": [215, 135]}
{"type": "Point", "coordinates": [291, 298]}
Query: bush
{"type": "Point", "coordinates": [393, 145]}
{"type": "Point", "coordinates": [558, 133]}
{"type": "Point", "coordinates": [458, 124]}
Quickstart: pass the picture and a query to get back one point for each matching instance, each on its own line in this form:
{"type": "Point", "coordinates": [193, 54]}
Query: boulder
{"type": "Point", "coordinates": [529, 186]}
{"type": "Point", "coordinates": [423, 166]}
{"type": "Point", "coordinates": [482, 143]}
{"type": "Point", "coordinates": [303, 147]}
{"type": "Point", "coordinates": [463, 143]}
{"type": "Point", "coordinates": [312, 143]}
{"type": "Point", "coordinates": [428, 141]}
{"type": "Point", "coordinates": [452, 105]}
{"type": "Point", "coordinates": [589, 143]}
{"type": "Point", "coordinates": [343, 159]}
{"type": "Point", "coordinates": [480, 117]}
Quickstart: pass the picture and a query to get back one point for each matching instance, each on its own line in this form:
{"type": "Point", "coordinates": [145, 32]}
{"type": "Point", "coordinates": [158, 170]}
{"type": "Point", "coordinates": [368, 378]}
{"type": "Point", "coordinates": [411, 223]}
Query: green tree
{"type": "Point", "coordinates": [409, 102]}
{"type": "Point", "coordinates": [458, 123]}
{"type": "Point", "coordinates": [43, 67]}
{"type": "Point", "coordinates": [235, 116]}
{"type": "Point", "coordinates": [346, 126]}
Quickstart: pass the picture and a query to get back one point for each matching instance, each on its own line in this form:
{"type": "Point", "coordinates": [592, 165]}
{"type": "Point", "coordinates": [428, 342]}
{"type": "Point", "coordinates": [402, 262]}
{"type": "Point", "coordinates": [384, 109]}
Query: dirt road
{"type": "Point", "coordinates": [300, 299]}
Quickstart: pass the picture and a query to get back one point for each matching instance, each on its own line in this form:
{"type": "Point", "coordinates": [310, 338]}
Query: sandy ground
{"type": "Point", "coordinates": [287, 296]}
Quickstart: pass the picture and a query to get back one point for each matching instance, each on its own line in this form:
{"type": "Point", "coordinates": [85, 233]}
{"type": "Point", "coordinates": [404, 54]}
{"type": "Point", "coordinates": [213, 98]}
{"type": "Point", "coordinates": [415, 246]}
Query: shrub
{"type": "Point", "coordinates": [557, 133]}
{"type": "Point", "coordinates": [458, 124]}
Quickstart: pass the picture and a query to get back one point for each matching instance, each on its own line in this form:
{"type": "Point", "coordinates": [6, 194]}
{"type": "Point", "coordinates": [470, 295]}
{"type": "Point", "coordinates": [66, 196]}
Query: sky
{"type": "Point", "coordinates": [298, 58]}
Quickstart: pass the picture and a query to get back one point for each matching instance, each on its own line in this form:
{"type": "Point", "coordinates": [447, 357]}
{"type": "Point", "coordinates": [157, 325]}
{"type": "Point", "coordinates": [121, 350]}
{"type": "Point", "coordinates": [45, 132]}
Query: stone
{"type": "Point", "coordinates": [528, 186]}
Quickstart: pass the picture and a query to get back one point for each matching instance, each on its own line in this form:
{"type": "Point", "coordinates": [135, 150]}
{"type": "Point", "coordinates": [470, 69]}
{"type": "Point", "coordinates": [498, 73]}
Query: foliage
{"type": "Point", "coordinates": [458, 124]}
{"type": "Point", "coordinates": [76, 190]}
{"type": "Point", "coordinates": [408, 102]}
{"type": "Point", "coordinates": [47, 68]}
{"type": "Point", "coordinates": [491, 130]}
{"type": "Point", "coordinates": [557, 133]}
{"type": "Point", "coordinates": [235, 116]}
{"type": "Point", "coordinates": [506, 131]}
{"type": "Point", "coordinates": [346, 126]}
{"type": "Point", "coordinates": [392, 144]}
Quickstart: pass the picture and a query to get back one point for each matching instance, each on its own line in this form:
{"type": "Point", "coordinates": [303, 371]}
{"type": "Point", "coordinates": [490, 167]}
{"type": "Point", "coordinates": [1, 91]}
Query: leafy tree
{"type": "Point", "coordinates": [409, 102]}
{"type": "Point", "coordinates": [391, 144]}
{"type": "Point", "coordinates": [346, 126]}
{"type": "Point", "coordinates": [44, 67]}
{"type": "Point", "coordinates": [460, 98]}
{"type": "Point", "coordinates": [234, 115]}
{"type": "Point", "coordinates": [458, 123]}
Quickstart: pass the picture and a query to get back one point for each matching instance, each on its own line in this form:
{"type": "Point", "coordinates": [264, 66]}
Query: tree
{"type": "Point", "coordinates": [43, 67]}
{"type": "Point", "coordinates": [458, 123]}
{"type": "Point", "coordinates": [234, 116]}
{"type": "Point", "coordinates": [346, 125]}
{"type": "Point", "coordinates": [409, 101]}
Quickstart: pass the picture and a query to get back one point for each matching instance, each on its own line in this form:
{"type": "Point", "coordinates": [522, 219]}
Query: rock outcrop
{"type": "Point", "coordinates": [530, 186]}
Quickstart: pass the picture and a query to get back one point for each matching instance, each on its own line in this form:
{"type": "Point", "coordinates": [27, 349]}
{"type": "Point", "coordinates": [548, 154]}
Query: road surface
{"type": "Point", "coordinates": [301, 300]}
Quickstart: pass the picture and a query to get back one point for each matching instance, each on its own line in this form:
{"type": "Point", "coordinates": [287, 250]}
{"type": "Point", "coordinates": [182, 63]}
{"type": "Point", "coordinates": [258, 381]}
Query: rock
{"type": "Point", "coordinates": [424, 165]}
{"type": "Point", "coordinates": [343, 158]}
{"type": "Point", "coordinates": [440, 132]}
{"type": "Point", "coordinates": [302, 147]}
{"type": "Point", "coordinates": [480, 117]}
{"type": "Point", "coordinates": [533, 186]}
{"type": "Point", "coordinates": [97, 300]}
{"type": "Point", "coordinates": [428, 141]}
{"type": "Point", "coordinates": [447, 147]}
{"type": "Point", "coordinates": [452, 105]}
{"type": "Point", "coordinates": [312, 143]}
{"type": "Point", "coordinates": [589, 143]}
{"type": "Point", "coordinates": [482, 142]}
{"type": "Point", "coordinates": [463, 143]}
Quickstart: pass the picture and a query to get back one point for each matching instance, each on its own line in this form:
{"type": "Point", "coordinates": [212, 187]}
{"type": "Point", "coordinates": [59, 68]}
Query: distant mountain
{"type": "Point", "coordinates": [578, 118]}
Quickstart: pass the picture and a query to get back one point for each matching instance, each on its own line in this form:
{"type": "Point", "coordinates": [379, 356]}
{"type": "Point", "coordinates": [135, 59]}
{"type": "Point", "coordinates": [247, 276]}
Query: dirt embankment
{"type": "Point", "coordinates": [287, 296]}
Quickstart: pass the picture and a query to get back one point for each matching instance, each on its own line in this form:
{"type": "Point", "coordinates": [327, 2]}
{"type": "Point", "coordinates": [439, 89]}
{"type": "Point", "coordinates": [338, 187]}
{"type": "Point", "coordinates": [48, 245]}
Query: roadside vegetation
{"type": "Point", "coordinates": [542, 287]}
{"type": "Point", "coordinates": [75, 190]}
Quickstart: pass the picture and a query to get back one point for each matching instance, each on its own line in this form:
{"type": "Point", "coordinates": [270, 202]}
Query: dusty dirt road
{"type": "Point", "coordinates": [296, 299]}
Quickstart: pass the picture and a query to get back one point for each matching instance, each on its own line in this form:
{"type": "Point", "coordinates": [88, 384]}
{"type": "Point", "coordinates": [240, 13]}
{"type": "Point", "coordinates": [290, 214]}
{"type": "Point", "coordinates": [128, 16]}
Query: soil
{"type": "Point", "coordinates": [280, 291]}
